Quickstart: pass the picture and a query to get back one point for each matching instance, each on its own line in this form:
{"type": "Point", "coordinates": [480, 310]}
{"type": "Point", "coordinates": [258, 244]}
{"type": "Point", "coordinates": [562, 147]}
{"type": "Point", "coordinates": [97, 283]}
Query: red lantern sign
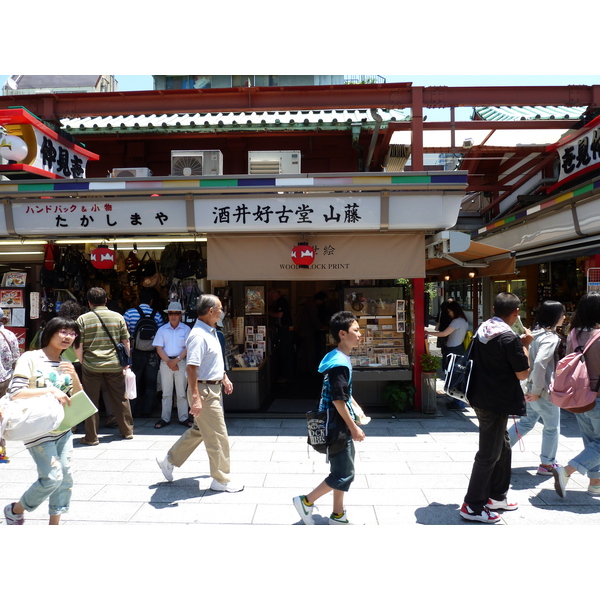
{"type": "Point", "coordinates": [103, 257]}
{"type": "Point", "coordinates": [303, 255]}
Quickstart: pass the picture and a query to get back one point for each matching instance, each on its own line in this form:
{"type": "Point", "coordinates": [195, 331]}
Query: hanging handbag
{"type": "Point", "coordinates": [124, 358]}
{"type": "Point", "coordinates": [458, 374]}
{"type": "Point", "coordinates": [327, 432]}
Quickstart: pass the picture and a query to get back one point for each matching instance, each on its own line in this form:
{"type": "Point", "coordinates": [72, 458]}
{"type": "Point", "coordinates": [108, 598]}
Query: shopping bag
{"type": "Point", "coordinates": [130, 385]}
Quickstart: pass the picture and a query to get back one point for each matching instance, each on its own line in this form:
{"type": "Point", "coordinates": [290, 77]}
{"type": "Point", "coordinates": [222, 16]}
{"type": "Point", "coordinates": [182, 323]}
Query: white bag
{"type": "Point", "coordinates": [27, 418]}
{"type": "Point", "coordinates": [130, 386]}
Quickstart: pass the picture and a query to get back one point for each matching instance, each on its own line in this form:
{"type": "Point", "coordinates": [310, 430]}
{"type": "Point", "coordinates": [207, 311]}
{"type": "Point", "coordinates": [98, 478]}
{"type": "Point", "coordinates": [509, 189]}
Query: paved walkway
{"type": "Point", "coordinates": [411, 470]}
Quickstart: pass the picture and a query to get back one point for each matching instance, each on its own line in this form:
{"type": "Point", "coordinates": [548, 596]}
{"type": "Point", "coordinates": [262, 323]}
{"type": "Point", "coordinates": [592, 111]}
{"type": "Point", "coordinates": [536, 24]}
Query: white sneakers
{"type": "Point", "coordinates": [166, 467]}
{"type": "Point", "coordinates": [215, 486]}
{"type": "Point", "coordinates": [304, 511]}
{"type": "Point", "coordinates": [167, 470]}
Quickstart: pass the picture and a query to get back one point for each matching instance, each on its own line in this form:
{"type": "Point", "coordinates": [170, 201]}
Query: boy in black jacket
{"type": "Point", "coordinates": [500, 362]}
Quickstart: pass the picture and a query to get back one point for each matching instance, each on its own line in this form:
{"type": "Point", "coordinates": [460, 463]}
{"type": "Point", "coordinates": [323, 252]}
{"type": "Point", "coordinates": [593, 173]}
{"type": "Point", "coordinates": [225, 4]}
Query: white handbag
{"type": "Point", "coordinates": [27, 418]}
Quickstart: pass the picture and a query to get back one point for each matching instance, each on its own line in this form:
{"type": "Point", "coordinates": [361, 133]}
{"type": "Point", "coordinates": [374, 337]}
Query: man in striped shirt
{"type": "Point", "coordinates": [145, 363]}
{"type": "Point", "coordinates": [100, 364]}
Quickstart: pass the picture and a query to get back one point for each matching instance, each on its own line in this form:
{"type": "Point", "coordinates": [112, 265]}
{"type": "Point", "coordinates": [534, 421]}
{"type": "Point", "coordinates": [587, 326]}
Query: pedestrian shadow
{"type": "Point", "coordinates": [318, 519]}
{"type": "Point", "coordinates": [169, 494]}
{"type": "Point", "coordinates": [439, 514]}
{"type": "Point", "coordinates": [522, 479]}
{"type": "Point", "coordinates": [576, 501]}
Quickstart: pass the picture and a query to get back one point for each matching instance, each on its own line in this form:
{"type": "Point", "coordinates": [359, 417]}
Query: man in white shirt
{"type": "Point", "coordinates": [170, 346]}
{"type": "Point", "coordinates": [206, 376]}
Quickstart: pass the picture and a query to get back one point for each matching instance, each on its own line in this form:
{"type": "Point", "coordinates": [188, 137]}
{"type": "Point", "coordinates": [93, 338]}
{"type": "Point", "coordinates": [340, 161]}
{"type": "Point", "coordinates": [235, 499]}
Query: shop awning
{"type": "Point", "coordinates": [453, 253]}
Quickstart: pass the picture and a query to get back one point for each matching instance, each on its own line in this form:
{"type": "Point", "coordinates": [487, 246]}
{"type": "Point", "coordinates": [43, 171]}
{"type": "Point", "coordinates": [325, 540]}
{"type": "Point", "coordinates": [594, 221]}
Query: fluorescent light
{"type": "Point", "coordinates": [118, 241]}
{"type": "Point", "coordinates": [19, 253]}
{"type": "Point", "coordinates": [140, 249]}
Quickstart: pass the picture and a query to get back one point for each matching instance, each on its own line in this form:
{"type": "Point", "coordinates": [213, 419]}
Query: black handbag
{"type": "Point", "coordinates": [327, 432]}
{"type": "Point", "coordinates": [458, 374]}
{"type": "Point", "coordinates": [123, 357]}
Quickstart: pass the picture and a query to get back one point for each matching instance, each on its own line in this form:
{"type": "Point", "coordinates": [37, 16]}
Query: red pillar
{"type": "Point", "coordinates": [419, 298]}
{"type": "Point", "coordinates": [416, 152]}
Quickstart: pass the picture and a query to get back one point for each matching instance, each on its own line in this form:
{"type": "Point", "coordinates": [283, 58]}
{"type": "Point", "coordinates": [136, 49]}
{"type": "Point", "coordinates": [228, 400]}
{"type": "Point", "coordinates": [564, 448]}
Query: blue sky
{"type": "Point", "coordinates": [144, 82]}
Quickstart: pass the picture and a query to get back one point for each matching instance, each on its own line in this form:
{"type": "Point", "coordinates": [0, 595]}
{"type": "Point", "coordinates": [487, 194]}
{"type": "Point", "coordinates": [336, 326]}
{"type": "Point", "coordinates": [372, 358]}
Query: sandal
{"type": "Point", "coordinates": [162, 423]}
{"type": "Point", "coordinates": [187, 422]}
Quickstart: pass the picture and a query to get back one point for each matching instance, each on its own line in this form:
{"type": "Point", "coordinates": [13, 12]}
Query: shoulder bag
{"type": "Point", "coordinates": [327, 432]}
{"type": "Point", "coordinates": [458, 374]}
{"type": "Point", "coordinates": [124, 359]}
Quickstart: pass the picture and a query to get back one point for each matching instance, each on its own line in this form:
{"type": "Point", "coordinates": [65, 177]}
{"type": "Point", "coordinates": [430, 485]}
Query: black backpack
{"type": "Point", "coordinates": [144, 331]}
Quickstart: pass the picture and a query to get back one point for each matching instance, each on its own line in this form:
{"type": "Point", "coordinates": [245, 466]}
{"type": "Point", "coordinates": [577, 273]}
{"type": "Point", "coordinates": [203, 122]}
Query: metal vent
{"type": "Point", "coordinates": [265, 167]}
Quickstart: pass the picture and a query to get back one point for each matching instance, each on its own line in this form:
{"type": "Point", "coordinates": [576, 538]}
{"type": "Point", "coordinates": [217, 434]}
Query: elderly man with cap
{"type": "Point", "coordinates": [169, 342]}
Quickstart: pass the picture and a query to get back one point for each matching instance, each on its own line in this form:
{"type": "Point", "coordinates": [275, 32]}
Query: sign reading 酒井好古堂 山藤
{"type": "Point", "coordinates": [31, 147]}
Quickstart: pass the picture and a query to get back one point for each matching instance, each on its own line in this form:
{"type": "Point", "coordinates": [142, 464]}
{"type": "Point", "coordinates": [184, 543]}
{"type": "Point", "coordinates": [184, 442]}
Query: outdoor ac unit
{"type": "Point", "coordinates": [190, 163]}
{"type": "Point", "coordinates": [132, 172]}
{"type": "Point", "coordinates": [273, 162]}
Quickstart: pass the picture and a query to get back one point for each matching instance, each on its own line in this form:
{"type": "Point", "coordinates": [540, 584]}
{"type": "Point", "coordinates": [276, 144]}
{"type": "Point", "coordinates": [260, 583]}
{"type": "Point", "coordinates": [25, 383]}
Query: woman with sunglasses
{"type": "Point", "coordinates": [36, 373]}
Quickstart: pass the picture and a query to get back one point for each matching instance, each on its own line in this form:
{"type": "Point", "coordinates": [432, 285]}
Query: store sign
{"type": "Point", "coordinates": [300, 212]}
{"type": "Point", "coordinates": [32, 147]}
{"type": "Point", "coordinates": [106, 217]}
{"type": "Point", "coordinates": [337, 256]}
{"type": "Point", "coordinates": [579, 152]}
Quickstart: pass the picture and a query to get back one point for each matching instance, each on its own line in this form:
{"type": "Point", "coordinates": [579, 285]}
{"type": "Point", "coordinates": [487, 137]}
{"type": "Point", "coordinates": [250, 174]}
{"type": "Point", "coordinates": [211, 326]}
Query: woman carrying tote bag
{"type": "Point", "coordinates": [37, 373]}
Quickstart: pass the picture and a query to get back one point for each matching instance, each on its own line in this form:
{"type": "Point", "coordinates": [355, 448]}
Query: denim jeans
{"type": "Point", "coordinates": [490, 476]}
{"type": "Point", "coordinates": [341, 468]}
{"type": "Point", "coordinates": [55, 480]}
{"type": "Point", "coordinates": [550, 415]}
{"type": "Point", "coordinates": [587, 462]}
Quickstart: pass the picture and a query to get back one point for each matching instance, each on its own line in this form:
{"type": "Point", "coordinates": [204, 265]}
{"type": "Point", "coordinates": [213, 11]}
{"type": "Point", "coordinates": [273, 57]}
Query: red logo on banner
{"type": "Point", "coordinates": [303, 255]}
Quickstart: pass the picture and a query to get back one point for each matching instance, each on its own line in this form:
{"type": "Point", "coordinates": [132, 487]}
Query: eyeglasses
{"type": "Point", "coordinates": [171, 314]}
{"type": "Point", "coordinates": [66, 333]}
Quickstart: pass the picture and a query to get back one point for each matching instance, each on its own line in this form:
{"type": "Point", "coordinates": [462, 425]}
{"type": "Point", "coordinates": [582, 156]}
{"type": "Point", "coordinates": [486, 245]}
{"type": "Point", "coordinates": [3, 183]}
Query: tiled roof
{"type": "Point", "coordinates": [520, 113]}
{"type": "Point", "coordinates": [329, 119]}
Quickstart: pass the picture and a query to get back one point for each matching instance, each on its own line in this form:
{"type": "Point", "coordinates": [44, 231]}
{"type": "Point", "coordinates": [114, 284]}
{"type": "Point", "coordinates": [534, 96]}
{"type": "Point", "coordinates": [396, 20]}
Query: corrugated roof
{"type": "Point", "coordinates": [523, 113]}
{"type": "Point", "coordinates": [237, 121]}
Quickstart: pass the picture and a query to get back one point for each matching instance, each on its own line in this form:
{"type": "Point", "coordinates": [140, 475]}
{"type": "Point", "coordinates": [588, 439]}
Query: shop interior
{"type": "Point", "coordinates": [276, 332]}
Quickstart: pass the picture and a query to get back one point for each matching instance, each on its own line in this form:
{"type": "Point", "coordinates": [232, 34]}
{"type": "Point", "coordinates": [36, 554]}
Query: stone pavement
{"type": "Point", "coordinates": [410, 470]}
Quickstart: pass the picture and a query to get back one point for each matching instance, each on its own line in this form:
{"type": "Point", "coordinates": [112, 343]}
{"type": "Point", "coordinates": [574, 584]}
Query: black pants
{"type": "Point", "coordinates": [490, 477]}
{"type": "Point", "coordinates": [145, 366]}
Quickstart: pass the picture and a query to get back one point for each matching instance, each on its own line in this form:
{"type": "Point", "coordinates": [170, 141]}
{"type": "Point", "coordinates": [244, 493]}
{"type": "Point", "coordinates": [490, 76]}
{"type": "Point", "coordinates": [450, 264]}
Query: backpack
{"type": "Point", "coordinates": [571, 386]}
{"type": "Point", "coordinates": [144, 331]}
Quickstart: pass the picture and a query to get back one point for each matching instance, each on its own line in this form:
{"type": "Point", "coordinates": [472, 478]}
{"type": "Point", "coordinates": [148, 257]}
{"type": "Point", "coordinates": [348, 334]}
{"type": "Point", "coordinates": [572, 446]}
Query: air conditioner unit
{"type": "Point", "coordinates": [193, 163]}
{"type": "Point", "coordinates": [273, 162]}
{"type": "Point", "coordinates": [132, 172]}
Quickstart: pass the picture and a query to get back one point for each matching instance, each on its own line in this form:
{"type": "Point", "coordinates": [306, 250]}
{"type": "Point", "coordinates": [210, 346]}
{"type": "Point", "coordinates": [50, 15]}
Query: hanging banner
{"type": "Point", "coordinates": [362, 256]}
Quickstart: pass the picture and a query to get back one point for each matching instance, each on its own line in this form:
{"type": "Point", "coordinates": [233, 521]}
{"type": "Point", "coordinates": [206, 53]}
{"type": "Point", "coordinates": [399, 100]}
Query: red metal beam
{"type": "Point", "coordinates": [390, 95]}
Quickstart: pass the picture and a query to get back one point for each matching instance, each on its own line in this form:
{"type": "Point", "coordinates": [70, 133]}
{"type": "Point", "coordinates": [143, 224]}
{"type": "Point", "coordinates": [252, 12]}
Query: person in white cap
{"type": "Point", "coordinates": [170, 342]}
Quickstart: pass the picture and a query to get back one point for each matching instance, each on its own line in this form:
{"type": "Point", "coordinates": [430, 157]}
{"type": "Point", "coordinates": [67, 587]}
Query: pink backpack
{"type": "Point", "coordinates": [571, 386]}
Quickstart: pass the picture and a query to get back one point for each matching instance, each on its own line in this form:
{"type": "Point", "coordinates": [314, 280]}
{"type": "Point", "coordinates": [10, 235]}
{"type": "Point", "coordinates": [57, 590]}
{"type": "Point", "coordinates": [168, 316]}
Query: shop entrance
{"type": "Point", "coordinates": [299, 313]}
